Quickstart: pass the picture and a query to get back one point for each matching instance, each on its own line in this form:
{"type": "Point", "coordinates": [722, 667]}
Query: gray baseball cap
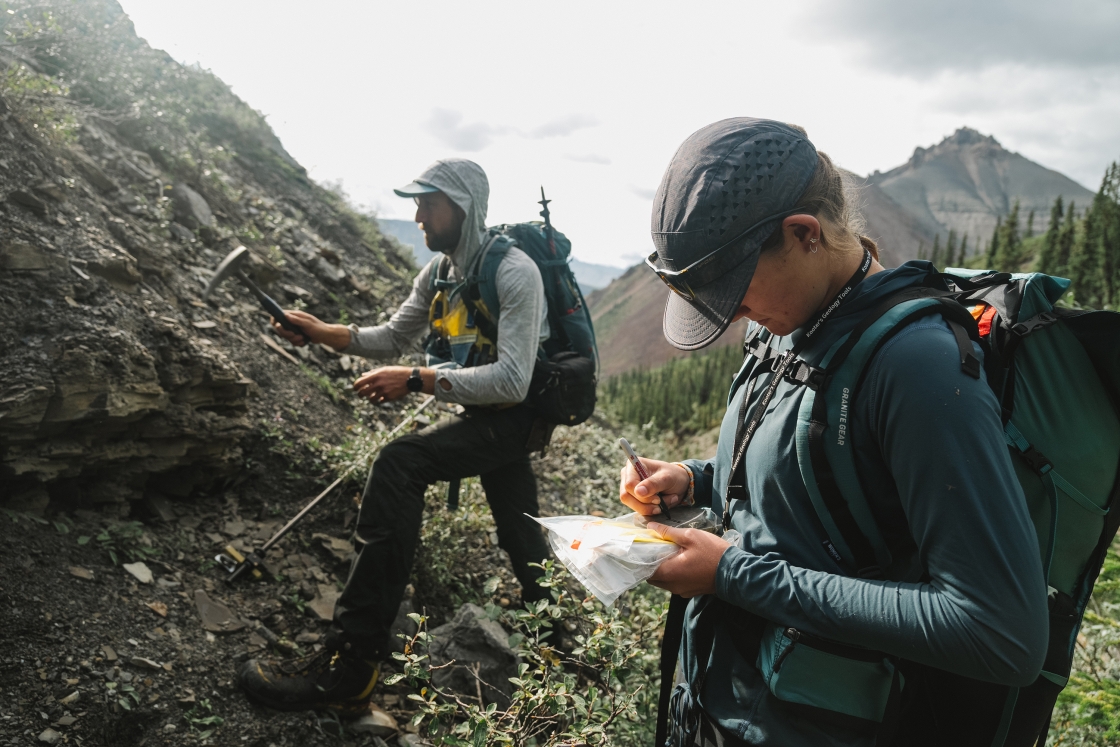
{"type": "Point", "coordinates": [726, 190]}
{"type": "Point", "coordinates": [413, 189]}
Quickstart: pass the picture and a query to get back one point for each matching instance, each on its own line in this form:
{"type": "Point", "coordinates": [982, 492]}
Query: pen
{"type": "Point", "coordinates": [640, 469]}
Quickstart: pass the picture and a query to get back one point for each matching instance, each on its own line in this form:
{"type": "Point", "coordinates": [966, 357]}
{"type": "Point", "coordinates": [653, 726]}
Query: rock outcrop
{"type": "Point", "coordinates": [118, 198]}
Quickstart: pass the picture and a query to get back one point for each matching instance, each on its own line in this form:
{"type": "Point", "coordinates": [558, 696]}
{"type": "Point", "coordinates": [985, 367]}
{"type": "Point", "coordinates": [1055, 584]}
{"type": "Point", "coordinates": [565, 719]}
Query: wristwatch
{"type": "Point", "coordinates": [414, 383]}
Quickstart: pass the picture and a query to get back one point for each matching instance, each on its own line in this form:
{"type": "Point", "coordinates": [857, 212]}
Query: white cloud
{"type": "Point", "coordinates": [563, 126]}
{"type": "Point", "coordinates": [447, 126]}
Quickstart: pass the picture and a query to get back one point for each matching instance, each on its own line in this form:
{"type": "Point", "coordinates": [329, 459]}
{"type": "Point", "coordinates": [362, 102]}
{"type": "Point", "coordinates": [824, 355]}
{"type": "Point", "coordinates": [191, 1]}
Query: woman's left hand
{"type": "Point", "coordinates": [692, 571]}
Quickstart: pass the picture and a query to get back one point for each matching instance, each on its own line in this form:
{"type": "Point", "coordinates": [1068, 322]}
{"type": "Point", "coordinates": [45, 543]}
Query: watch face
{"type": "Point", "coordinates": [414, 383]}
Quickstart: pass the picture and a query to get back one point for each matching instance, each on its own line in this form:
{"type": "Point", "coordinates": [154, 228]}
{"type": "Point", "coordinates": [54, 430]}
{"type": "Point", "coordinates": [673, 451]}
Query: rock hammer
{"type": "Point", "coordinates": [231, 265]}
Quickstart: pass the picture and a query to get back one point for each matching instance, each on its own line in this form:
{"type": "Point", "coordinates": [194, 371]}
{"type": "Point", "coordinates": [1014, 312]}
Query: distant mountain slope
{"type": "Point", "coordinates": [590, 276]}
{"type": "Point", "coordinates": [627, 319]}
{"type": "Point", "coordinates": [408, 233]}
{"type": "Point", "coordinates": [968, 180]}
{"type": "Point", "coordinates": [898, 233]}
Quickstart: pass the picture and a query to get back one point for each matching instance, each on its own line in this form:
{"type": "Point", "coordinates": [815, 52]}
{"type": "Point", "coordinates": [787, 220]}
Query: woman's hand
{"type": "Point", "coordinates": [666, 478]}
{"type": "Point", "coordinates": [692, 571]}
{"type": "Point", "coordinates": [335, 335]}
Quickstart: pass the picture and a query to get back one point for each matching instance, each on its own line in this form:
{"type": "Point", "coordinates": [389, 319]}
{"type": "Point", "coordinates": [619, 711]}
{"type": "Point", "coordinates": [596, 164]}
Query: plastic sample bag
{"type": "Point", "coordinates": [609, 556]}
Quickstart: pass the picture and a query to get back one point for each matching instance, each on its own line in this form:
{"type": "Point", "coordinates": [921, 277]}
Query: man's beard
{"type": "Point", "coordinates": [445, 242]}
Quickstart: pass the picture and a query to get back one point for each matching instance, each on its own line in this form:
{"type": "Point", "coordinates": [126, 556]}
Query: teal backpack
{"type": "Point", "coordinates": [565, 376]}
{"type": "Point", "coordinates": [568, 316]}
{"type": "Point", "coordinates": [1056, 374]}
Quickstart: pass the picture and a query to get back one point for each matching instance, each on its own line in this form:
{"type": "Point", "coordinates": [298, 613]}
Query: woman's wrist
{"type": "Point", "coordinates": [689, 495]}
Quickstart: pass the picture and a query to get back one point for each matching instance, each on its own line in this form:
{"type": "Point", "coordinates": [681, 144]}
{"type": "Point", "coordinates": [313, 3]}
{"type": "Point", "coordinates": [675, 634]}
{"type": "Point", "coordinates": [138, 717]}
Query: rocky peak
{"type": "Point", "coordinates": [964, 139]}
{"type": "Point", "coordinates": [967, 182]}
{"type": "Point", "coordinates": [968, 136]}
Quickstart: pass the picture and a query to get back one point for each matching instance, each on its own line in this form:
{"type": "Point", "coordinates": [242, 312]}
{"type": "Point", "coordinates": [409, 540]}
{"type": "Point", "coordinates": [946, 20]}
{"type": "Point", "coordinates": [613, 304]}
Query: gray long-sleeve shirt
{"type": "Point", "coordinates": [522, 324]}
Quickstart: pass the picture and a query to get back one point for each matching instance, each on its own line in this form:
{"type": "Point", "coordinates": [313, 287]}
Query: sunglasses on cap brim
{"type": "Point", "coordinates": [711, 266]}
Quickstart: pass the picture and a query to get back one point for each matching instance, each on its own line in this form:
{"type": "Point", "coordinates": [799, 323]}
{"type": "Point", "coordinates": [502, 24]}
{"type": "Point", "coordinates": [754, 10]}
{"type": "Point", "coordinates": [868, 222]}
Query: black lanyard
{"type": "Point", "coordinates": [737, 483]}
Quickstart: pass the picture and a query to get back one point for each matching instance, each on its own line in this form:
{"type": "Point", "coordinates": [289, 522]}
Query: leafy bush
{"type": "Point", "coordinates": [597, 694]}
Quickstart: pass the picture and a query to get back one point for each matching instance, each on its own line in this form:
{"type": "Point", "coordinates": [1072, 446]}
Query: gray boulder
{"type": "Point", "coordinates": [191, 208]}
{"type": "Point", "coordinates": [478, 646]}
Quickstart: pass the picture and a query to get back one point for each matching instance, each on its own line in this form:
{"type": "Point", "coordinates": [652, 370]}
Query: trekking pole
{"type": "Point", "coordinates": [545, 213]}
{"type": "Point", "coordinates": [237, 564]}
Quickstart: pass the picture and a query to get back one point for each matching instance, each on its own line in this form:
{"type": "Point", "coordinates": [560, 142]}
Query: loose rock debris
{"type": "Point", "coordinates": [113, 661]}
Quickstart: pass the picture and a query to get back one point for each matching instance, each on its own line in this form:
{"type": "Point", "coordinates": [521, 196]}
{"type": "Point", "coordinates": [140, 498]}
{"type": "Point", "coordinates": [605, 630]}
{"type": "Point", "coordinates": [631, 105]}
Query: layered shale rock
{"type": "Point", "coordinates": [124, 180]}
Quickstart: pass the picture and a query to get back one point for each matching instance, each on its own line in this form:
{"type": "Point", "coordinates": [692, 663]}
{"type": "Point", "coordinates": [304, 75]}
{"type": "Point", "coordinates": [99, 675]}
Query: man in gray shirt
{"type": "Point", "coordinates": [469, 364]}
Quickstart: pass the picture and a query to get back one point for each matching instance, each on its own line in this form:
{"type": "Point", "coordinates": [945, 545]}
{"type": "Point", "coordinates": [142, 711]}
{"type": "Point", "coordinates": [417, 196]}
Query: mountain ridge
{"type": "Point", "coordinates": [968, 181]}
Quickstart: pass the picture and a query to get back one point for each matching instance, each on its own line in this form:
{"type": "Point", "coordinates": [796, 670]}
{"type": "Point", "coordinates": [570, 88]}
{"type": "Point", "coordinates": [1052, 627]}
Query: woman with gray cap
{"type": "Point", "coordinates": [786, 640]}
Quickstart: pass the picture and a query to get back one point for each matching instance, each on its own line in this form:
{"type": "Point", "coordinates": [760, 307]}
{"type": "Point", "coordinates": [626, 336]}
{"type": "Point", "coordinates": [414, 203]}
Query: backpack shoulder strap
{"type": "Point", "coordinates": [441, 268]}
{"type": "Point", "coordinates": [496, 249]}
{"type": "Point", "coordinates": [481, 283]}
{"type": "Point", "coordinates": [824, 449]}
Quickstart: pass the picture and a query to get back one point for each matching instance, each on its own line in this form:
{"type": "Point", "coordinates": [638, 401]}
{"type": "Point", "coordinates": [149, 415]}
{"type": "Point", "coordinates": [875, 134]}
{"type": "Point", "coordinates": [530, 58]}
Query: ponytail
{"type": "Point", "coordinates": [832, 199]}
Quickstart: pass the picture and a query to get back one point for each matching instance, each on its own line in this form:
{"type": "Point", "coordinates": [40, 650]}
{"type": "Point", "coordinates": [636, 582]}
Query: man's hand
{"type": "Point", "coordinates": [666, 478]}
{"type": "Point", "coordinates": [391, 382]}
{"type": "Point", "coordinates": [335, 335]}
{"type": "Point", "coordinates": [692, 571]}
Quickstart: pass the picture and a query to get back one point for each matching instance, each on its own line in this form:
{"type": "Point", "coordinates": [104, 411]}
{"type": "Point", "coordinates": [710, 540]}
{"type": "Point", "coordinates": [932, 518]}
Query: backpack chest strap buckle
{"type": "Point", "coordinates": [800, 372]}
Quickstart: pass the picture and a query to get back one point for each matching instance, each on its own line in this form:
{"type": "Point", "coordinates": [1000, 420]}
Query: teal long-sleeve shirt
{"type": "Point", "coordinates": [929, 443]}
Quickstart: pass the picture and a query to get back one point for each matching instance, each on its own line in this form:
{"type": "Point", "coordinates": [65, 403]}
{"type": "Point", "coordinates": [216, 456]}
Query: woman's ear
{"type": "Point", "coordinates": [803, 229]}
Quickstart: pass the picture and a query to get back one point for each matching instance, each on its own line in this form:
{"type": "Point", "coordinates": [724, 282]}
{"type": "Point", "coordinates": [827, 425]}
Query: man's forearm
{"type": "Point", "coordinates": [335, 335]}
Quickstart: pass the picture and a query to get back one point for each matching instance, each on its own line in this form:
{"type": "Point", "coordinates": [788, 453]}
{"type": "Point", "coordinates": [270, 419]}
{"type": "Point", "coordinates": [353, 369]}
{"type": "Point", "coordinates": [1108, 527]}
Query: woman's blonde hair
{"type": "Point", "coordinates": [832, 199]}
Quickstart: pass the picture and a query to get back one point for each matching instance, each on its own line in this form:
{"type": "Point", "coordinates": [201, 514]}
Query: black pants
{"type": "Point", "coordinates": [489, 443]}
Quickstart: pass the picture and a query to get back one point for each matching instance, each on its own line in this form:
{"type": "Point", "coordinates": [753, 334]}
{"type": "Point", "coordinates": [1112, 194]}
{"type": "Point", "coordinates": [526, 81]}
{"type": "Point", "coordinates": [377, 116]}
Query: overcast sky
{"type": "Point", "coordinates": [591, 99]}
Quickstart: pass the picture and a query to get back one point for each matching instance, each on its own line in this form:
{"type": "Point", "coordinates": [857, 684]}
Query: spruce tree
{"type": "Point", "coordinates": [993, 245]}
{"type": "Point", "coordinates": [1048, 256]}
{"type": "Point", "coordinates": [963, 257]}
{"type": "Point", "coordinates": [1109, 235]}
{"type": "Point", "coordinates": [951, 249]}
{"type": "Point", "coordinates": [1030, 225]}
{"type": "Point", "coordinates": [935, 253]}
{"type": "Point", "coordinates": [1010, 252]}
{"type": "Point", "coordinates": [1065, 240]}
{"type": "Point", "coordinates": [1086, 269]}
{"type": "Point", "coordinates": [1096, 252]}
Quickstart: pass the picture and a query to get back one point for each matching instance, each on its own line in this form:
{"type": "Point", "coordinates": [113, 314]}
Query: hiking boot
{"type": "Point", "coordinates": [331, 680]}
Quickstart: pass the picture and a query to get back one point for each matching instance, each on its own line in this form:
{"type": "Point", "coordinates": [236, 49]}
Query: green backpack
{"type": "Point", "coordinates": [1056, 373]}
